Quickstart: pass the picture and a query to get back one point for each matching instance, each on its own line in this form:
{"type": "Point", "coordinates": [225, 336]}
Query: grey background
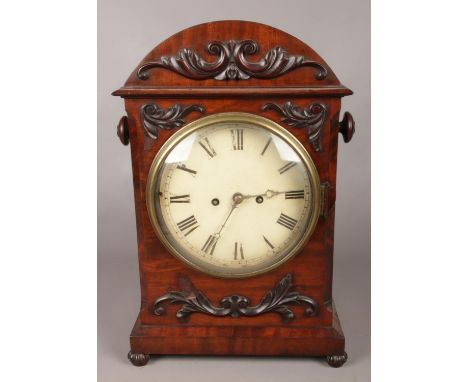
{"type": "Point", "coordinates": [127, 30]}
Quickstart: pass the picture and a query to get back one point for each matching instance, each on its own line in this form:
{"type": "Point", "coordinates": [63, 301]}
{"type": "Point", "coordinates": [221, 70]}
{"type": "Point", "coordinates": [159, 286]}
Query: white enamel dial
{"type": "Point", "coordinates": [234, 198]}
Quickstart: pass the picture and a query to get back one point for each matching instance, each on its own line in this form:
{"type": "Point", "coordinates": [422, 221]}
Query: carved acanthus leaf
{"type": "Point", "coordinates": [231, 62]}
{"type": "Point", "coordinates": [311, 117]}
{"type": "Point", "coordinates": [153, 117]}
{"type": "Point", "coordinates": [275, 300]}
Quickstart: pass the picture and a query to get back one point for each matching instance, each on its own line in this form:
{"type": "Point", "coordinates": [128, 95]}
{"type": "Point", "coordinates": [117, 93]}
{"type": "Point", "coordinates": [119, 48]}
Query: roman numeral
{"type": "Point", "coordinates": [268, 243]}
{"type": "Point", "coordinates": [180, 199]}
{"type": "Point", "coordinates": [184, 168]}
{"type": "Point", "coordinates": [187, 226]}
{"type": "Point", "coordinates": [210, 244]}
{"type": "Point", "coordinates": [287, 221]}
{"type": "Point", "coordinates": [237, 139]}
{"type": "Point", "coordinates": [241, 251]}
{"type": "Point", "coordinates": [207, 147]}
{"type": "Point", "coordinates": [286, 167]}
{"type": "Point", "coordinates": [266, 146]}
{"type": "Point", "coordinates": [294, 194]}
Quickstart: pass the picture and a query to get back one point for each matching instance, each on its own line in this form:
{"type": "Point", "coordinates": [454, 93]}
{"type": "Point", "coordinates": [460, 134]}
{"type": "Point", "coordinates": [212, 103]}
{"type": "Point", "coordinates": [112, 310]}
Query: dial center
{"type": "Point", "coordinates": [238, 198]}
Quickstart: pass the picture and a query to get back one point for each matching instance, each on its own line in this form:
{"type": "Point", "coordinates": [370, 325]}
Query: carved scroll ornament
{"type": "Point", "coordinates": [231, 62]}
{"type": "Point", "coordinates": [154, 118]}
{"type": "Point", "coordinates": [311, 117]}
{"type": "Point", "coordinates": [275, 300]}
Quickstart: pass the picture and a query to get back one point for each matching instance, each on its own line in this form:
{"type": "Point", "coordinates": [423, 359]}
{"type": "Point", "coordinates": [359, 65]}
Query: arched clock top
{"type": "Point", "coordinates": [231, 54]}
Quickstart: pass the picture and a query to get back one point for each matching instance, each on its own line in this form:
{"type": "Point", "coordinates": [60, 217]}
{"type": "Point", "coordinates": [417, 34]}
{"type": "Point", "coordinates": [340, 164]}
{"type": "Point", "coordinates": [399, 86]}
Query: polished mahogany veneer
{"type": "Point", "coordinates": [235, 66]}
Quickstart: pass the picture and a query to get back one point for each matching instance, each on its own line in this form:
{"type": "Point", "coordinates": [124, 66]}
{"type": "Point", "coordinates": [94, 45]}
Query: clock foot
{"type": "Point", "coordinates": [337, 360]}
{"type": "Point", "coordinates": [138, 359]}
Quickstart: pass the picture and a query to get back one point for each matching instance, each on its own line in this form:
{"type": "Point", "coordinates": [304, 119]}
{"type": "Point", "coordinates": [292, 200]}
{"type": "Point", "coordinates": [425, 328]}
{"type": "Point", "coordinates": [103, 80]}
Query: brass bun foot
{"type": "Point", "coordinates": [138, 359]}
{"type": "Point", "coordinates": [337, 360]}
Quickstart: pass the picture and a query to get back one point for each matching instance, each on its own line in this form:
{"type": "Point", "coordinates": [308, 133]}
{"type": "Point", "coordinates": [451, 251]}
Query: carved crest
{"type": "Point", "coordinates": [154, 118]}
{"type": "Point", "coordinates": [311, 117]}
{"type": "Point", "coordinates": [231, 62]}
{"type": "Point", "coordinates": [275, 300]}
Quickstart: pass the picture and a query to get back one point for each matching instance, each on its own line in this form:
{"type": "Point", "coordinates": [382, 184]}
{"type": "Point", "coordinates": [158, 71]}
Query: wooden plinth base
{"type": "Point", "coordinates": [243, 341]}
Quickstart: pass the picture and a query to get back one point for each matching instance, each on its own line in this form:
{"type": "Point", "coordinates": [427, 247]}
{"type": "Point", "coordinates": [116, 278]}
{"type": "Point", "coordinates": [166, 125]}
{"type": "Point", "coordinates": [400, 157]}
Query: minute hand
{"type": "Point", "coordinates": [233, 207]}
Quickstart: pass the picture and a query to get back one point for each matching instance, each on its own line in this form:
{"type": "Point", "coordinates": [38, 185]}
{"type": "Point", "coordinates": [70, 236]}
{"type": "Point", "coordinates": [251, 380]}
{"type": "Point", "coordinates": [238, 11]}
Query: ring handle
{"type": "Point", "coordinates": [122, 130]}
{"type": "Point", "coordinates": [346, 127]}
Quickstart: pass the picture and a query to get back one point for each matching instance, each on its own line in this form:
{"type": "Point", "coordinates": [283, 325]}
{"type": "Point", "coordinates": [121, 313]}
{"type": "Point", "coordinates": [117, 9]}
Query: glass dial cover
{"type": "Point", "coordinates": [233, 195]}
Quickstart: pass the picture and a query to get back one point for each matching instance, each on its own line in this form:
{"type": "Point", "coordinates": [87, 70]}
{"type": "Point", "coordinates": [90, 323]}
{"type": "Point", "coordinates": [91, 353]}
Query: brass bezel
{"type": "Point", "coordinates": [242, 118]}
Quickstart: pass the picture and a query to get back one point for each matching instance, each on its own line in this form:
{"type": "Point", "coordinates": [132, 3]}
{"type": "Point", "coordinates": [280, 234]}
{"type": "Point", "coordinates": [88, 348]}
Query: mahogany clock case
{"type": "Point", "coordinates": [274, 75]}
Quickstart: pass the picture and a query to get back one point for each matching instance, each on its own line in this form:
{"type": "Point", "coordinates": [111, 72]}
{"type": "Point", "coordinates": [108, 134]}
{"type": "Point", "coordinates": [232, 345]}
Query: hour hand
{"type": "Point", "coordinates": [296, 194]}
{"type": "Point", "coordinates": [270, 193]}
{"type": "Point", "coordinates": [267, 194]}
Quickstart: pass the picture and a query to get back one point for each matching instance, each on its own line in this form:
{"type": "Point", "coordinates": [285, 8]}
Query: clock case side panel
{"type": "Point", "coordinates": [161, 272]}
{"type": "Point", "coordinates": [133, 133]}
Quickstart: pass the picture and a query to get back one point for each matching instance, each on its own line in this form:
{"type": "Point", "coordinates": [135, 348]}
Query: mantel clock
{"type": "Point", "coordinates": [233, 128]}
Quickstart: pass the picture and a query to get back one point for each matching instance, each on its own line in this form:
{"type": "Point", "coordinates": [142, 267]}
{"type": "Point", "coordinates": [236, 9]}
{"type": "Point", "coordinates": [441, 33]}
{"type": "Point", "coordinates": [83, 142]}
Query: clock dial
{"type": "Point", "coordinates": [234, 196]}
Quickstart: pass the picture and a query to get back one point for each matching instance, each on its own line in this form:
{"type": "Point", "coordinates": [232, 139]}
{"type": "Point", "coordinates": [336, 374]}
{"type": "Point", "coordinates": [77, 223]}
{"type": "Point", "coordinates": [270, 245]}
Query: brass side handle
{"type": "Point", "coordinates": [122, 130]}
{"type": "Point", "coordinates": [346, 127]}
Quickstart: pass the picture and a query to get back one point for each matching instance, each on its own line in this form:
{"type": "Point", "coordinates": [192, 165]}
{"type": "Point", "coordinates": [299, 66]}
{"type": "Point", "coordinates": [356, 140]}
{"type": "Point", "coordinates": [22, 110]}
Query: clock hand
{"type": "Point", "coordinates": [268, 194]}
{"type": "Point", "coordinates": [210, 244]}
{"type": "Point", "coordinates": [233, 207]}
{"type": "Point", "coordinates": [237, 198]}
